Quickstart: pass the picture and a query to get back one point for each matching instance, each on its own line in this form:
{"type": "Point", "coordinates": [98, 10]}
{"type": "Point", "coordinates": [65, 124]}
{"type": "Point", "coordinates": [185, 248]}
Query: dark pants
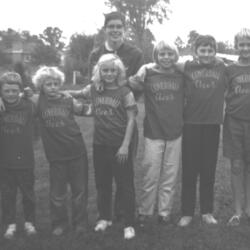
{"type": "Point", "coordinates": [107, 167]}
{"type": "Point", "coordinates": [118, 207]}
{"type": "Point", "coordinates": [199, 158]}
{"type": "Point", "coordinates": [75, 173]}
{"type": "Point", "coordinates": [12, 179]}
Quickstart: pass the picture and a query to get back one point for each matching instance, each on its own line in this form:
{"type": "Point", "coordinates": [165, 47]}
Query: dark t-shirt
{"type": "Point", "coordinates": [61, 135]}
{"type": "Point", "coordinates": [16, 128]}
{"type": "Point", "coordinates": [163, 92]}
{"type": "Point", "coordinates": [205, 87]}
{"type": "Point", "coordinates": [110, 114]}
{"type": "Point", "coordinates": [238, 96]}
{"type": "Point", "coordinates": [131, 57]}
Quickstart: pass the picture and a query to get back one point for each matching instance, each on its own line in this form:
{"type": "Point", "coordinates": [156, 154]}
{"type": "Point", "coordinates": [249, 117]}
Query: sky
{"type": "Point", "coordinates": [220, 18]}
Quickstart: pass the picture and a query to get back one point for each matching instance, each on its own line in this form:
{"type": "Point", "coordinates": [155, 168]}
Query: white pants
{"type": "Point", "coordinates": [160, 171]}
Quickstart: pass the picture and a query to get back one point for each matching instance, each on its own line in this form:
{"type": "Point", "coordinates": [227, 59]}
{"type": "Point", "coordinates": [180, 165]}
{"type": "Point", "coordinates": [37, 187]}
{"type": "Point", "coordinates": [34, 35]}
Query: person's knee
{"type": "Point", "coordinates": [237, 167]}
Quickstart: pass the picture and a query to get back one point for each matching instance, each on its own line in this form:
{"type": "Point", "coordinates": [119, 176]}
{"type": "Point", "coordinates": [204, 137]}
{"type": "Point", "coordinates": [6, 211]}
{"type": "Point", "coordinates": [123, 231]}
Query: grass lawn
{"type": "Point", "coordinates": [153, 237]}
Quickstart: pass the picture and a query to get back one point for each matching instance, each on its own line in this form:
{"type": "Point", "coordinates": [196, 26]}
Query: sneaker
{"type": "Point", "coordinates": [141, 220]}
{"type": "Point", "coordinates": [58, 231]}
{"type": "Point", "coordinates": [209, 219]}
{"type": "Point", "coordinates": [102, 225]}
{"type": "Point", "coordinates": [29, 228]}
{"type": "Point", "coordinates": [129, 233]}
{"type": "Point", "coordinates": [234, 220]}
{"type": "Point", "coordinates": [185, 221]}
{"type": "Point", "coordinates": [164, 220]}
{"type": "Point", "coordinates": [10, 231]}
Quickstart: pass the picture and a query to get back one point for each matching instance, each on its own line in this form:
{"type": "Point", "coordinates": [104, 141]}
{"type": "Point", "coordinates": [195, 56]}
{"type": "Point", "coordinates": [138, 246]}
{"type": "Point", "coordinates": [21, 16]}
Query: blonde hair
{"type": "Point", "coordinates": [243, 33]}
{"type": "Point", "coordinates": [121, 78]}
{"type": "Point", "coordinates": [46, 72]}
{"type": "Point", "coordinates": [162, 44]}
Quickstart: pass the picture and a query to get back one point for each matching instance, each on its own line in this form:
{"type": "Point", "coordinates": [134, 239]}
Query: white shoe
{"type": "Point", "coordinates": [209, 219]}
{"type": "Point", "coordinates": [29, 228]}
{"type": "Point", "coordinates": [185, 221]}
{"type": "Point", "coordinates": [102, 225]}
{"type": "Point", "coordinates": [10, 231]}
{"type": "Point", "coordinates": [129, 233]}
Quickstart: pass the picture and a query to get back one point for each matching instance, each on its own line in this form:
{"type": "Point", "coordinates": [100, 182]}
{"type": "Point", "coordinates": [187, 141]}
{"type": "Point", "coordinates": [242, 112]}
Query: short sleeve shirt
{"type": "Point", "coordinates": [205, 87]}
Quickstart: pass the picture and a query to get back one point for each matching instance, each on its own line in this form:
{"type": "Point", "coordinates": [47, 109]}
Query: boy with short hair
{"type": "Point", "coordinates": [236, 136]}
{"type": "Point", "coordinates": [203, 115]}
{"type": "Point", "coordinates": [16, 154]}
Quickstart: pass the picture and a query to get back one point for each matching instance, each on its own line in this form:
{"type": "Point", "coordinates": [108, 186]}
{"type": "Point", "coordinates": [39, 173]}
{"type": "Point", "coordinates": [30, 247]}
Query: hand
{"type": "Point", "coordinates": [122, 154]}
{"type": "Point", "coordinates": [2, 107]}
{"type": "Point", "coordinates": [28, 92]}
{"type": "Point", "coordinates": [99, 86]}
{"type": "Point", "coordinates": [66, 93]}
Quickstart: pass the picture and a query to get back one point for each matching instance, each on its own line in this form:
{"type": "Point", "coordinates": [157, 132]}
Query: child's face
{"type": "Point", "coordinates": [109, 73]}
{"type": "Point", "coordinates": [243, 47]}
{"type": "Point", "coordinates": [206, 54]}
{"type": "Point", "coordinates": [115, 30]}
{"type": "Point", "coordinates": [10, 92]}
{"type": "Point", "coordinates": [166, 58]}
{"type": "Point", "coordinates": [51, 87]}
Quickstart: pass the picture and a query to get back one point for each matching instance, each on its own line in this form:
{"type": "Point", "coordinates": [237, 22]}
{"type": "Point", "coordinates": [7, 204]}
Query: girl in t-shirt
{"type": "Point", "coordinates": [114, 111]}
{"type": "Point", "coordinates": [236, 139]}
{"type": "Point", "coordinates": [162, 84]}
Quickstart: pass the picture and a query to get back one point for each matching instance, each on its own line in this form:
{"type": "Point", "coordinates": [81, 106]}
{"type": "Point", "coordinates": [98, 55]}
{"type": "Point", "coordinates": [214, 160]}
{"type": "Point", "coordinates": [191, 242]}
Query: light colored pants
{"type": "Point", "coordinates": [160, 170]}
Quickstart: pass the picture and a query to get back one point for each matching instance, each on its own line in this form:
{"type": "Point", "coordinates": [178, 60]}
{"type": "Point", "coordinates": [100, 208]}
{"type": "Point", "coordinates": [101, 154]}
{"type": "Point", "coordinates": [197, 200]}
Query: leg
{"type": "Point", "coordinates": [210, 144]}
{"type": "Point", "coordinates": [153, 154]}
{"type": "Point", "coordinates": [103, 181]}
{"type": "Point", "coordinates": [247, 189]}
{"type": "Point", "coordinates": [191, 160]}
{"type": "Point", "coordinates": [78, 179]}
{"type": "Point", "coordinates": [124, 175]}
{"type": "Point", "coordinates": [26, 185]}
{"type": "Point", "coordinates": [118, 209]}
{"type": "Point", "coordinates": [168, 176]}
{"type": "Point", "coordinates": [9, 192]}
{"type": "Point", "coordinates": [58, 195]}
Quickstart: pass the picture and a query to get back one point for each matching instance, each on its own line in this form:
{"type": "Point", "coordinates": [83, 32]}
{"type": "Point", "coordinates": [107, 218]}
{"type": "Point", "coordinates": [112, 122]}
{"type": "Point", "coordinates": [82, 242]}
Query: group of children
{"type": "Point", "coordinates": [184, 109]}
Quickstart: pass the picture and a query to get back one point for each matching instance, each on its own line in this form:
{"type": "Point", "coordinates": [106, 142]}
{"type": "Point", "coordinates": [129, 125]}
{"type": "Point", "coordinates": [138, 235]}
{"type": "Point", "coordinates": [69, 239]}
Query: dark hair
{"type": "Point", "coordinates": [115, 15]}
{"type": "Point", "coordinates": [204, 40]}
{"type": "Point", "coordinates": [11, 78]}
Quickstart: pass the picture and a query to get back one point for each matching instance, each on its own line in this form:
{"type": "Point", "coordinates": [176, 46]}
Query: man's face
{"type": "Point", "coordinates": [115, 31]}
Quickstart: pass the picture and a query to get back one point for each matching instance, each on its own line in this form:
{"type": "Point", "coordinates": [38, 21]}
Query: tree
{"type": "Point", "coordinates": [52, 36]}
{"type": "Point", "coordinates": [76, 56]}
{"type": "Point", "coordinates": [193, 34]}
{"type": "Point", "coordinates": [140, 13]}
{"type": "Point", "coordinates": [179, 43]}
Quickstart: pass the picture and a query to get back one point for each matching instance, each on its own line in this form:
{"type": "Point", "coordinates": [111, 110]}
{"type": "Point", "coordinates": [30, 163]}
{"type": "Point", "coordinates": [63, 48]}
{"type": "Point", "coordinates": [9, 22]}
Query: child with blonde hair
{"type": "Point", "coordinates": [114, 111]}
{"type": "Point", "coordinates": [236, 136]}
{"type": "Point", "coordinates": [64, 148]}
{"type": "Point", "coordinates": [163, 87]}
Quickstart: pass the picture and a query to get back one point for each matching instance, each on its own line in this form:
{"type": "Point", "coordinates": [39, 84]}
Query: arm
{"type": "Point", "coordinates": [81, 109]}
{"type": "Point", "coordinates": [84, 93]}
{"type": "Point", "coordinates": [131, 110]}
{"type": "Point", "coordinates": [122, 154]}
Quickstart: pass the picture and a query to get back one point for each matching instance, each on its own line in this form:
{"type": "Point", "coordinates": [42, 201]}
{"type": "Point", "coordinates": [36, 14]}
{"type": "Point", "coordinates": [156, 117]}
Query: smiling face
{"type": "Point", "coordinates": [10, 92]}
{"type": "Point", "coordinates": [51, 87]}
{"type": "Point", "coordinates": [243, 48]}
{"type": "Point", "coordinates": [206, 54]}
{"type": "Point", "coordinates": [115, 30]}
{"type": "Point", "coordinates": [166, 58]}
{"type": "Point", "coordinates": [109, 73]}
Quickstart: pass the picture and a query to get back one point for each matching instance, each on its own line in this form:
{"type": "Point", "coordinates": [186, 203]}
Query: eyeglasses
{"type": "Point", "coordinates": [117, 26]}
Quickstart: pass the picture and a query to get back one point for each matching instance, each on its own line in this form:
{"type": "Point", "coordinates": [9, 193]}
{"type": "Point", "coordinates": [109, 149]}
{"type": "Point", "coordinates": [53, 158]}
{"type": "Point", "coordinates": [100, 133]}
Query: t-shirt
{"type": "Point", "coordinates": [238, 96]}
{"type": "Point", "coordinates": [131, 57]}
{"type": "Point", "coordinates": [205, 87]}
{"type": "Point", "coordinates": [16, 130]}
{"type": "Point", "coordinates": [163, 98]}
{"type": "Point", "coordinates": [61, 135]}
{"type": "Point", "coordinates": [110, 114]}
